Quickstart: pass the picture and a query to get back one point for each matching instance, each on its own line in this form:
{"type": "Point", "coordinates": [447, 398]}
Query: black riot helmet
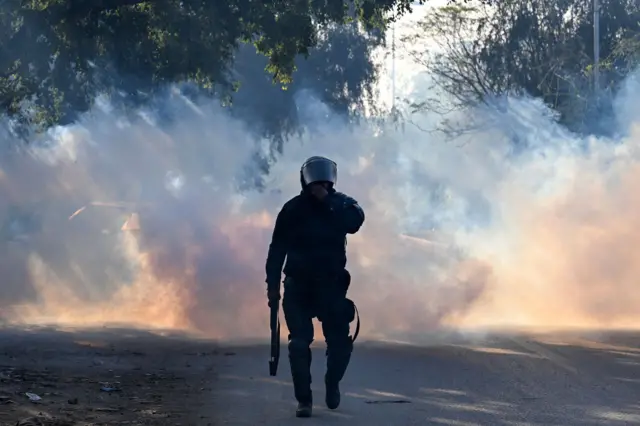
{"type": "Point", "coordinates": [318, 169]}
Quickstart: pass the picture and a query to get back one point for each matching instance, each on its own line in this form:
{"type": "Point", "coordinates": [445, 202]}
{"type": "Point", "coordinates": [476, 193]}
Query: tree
{"type": "Point", "coordinates": [55, 55]}
{"type": "Point", "coordinates": [539, 47]}
{"type": "Point", "coordinates": [339, 71]}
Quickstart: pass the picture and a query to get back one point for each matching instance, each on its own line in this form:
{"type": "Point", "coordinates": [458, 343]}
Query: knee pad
{"type": "Point", "coordinates": [299, 347]}
{"type": "Point", "coordinates": [339, 347]}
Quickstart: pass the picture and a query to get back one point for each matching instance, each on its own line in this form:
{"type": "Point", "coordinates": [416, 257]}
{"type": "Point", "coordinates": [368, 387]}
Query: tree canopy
{"type": "Point", "coordinates": [55, 55]}
{"type": "Point", "coordinates": [543, 48]}
{"type": "Point", "coordinates": [339, 71]}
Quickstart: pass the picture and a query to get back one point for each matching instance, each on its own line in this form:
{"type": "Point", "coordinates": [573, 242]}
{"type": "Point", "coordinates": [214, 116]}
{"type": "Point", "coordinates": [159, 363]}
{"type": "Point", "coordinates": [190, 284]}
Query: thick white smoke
{"type": "Point", "coordinates": [457, 234]}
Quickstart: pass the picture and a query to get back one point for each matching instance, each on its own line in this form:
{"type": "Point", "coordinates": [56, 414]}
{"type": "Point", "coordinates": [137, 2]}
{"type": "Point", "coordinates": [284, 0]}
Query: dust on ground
{"type": "Point", "coordinates": [110, 376]}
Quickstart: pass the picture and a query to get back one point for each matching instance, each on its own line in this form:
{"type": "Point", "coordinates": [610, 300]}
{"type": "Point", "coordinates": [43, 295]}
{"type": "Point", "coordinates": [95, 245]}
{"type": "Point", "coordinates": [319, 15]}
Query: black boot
{"type": "Point", "coordinates": [332, 395]}
{"type": "Point", "coordinates": [300, 361]}
{"type": "Point", "coordinates": [337, 362]}
{"type": "Point", "coordinates": [304, 409]}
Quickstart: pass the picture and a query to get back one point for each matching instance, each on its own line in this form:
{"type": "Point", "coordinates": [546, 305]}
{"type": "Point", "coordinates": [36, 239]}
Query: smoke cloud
{"type": "Point", "coordinates": [125, 220]}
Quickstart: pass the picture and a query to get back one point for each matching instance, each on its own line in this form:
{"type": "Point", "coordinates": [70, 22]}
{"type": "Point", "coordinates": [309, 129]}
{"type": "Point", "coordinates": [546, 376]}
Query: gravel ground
{"type": "Point", "coordinates": [103, 377]}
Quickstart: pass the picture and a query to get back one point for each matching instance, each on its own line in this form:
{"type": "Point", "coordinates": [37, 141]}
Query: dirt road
{"type": "Point", "coordinates": [104, 377]}
{"type": "Point", "coordinates": [570, 379]}
{"type": "Point", "coordinates": [126, 377]}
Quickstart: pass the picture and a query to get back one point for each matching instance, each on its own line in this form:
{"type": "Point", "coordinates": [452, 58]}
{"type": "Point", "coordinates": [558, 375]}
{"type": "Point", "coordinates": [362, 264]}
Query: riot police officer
{"type": "Point", "coordinates": [310, 232]}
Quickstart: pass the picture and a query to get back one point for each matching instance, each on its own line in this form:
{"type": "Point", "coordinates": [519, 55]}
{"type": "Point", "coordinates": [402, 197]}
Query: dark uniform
{"type": "Point", "coordinates": [310, 231]}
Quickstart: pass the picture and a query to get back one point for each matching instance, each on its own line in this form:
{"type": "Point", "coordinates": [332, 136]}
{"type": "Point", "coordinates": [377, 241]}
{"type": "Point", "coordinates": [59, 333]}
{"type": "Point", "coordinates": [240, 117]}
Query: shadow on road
{"type": "Point", "coordinates": [563, 379]}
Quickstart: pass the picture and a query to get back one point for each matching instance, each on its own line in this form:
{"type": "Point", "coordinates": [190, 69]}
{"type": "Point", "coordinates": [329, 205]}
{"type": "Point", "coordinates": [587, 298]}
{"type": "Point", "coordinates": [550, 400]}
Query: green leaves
{"type": "Point", "coordinates": [540, 47]}
{"type": "Point", "coordinates": [60, 53]}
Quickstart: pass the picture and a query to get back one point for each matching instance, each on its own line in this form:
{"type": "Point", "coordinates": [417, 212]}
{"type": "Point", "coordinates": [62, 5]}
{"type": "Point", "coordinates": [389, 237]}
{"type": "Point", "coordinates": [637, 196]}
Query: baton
{"type": "Point", "coordinates": [275, 340]}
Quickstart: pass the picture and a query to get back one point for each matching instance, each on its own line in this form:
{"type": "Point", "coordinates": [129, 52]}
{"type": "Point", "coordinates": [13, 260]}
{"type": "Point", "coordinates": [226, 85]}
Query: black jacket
{"type": "Point", "coordinates": [311, 234]}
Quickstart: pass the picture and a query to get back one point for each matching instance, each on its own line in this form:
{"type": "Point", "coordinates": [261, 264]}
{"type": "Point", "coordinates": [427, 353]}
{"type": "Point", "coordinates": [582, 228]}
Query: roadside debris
{"type": "Point", "coordinates": [107, 387]}
{"type": "Point", "coordinates": [101, 377]}
{"type": "Point", "coordinates": [33, 397]}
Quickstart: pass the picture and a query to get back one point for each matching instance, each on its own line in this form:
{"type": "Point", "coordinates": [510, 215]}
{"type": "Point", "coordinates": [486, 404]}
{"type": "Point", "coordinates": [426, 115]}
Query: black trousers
{"type": "Point", "coordinates": [326, 299]}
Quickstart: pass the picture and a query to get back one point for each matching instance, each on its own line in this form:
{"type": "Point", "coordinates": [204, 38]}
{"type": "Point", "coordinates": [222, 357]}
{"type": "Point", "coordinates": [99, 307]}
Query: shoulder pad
{"type": "Point", "coordinates": [291, 204]}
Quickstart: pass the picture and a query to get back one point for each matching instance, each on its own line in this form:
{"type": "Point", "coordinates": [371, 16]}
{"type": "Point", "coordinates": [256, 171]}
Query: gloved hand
{"type": "Point", "coordinates": [273, 297]}
{"type": "Point", "coordinates": [335, 201]}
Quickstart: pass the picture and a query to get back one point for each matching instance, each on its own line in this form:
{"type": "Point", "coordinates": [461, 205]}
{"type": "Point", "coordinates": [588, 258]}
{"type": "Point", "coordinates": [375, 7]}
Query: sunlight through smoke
{"type": "Point", "coordinates": [165, 233]}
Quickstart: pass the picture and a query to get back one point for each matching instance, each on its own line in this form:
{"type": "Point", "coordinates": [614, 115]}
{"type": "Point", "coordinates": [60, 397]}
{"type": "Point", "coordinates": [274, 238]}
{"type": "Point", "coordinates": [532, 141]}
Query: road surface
{"type": "Point", "coordinates": [132, 377]}
{"type": "Point", "coordinates": [563, 379]}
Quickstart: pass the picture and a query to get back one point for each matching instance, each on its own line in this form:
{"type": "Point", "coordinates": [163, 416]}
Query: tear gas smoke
{"type": "Point", "coordinates": [457, 235]}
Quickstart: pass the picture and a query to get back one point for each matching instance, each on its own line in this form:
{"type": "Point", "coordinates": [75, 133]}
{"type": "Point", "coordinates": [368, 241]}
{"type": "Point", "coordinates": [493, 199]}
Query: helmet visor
{"type": "Point", "coordinates": [320, 170]}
